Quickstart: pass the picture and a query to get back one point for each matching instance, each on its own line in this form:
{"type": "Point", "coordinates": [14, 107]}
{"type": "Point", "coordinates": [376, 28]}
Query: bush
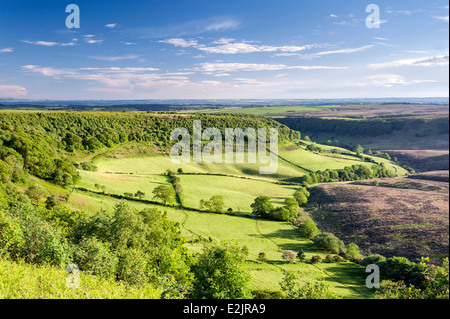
{"type": "Point", "coordinates": [315, 290]}
{"type": "Point", "coordinates": [94, 257]}
{"type": "Point", "coordinates": [133, 267]}
{"type": "Point", "coordinates": [308, 229]}
{"type": "Point", "coordinates": [353, 253]}
{"type": "Point", "coordinates": [289, 256]}
{"type": "Point", "coordinates": [301, 255]}
{"type": "Point", "coordinates": [372, 259]}
{"type": "Point", "coordinates": [316, 259]}
{"type": "Point", "coordinates": [262, 256]}
{"type": "Point", "coordinates": [375, 183]}
{"type": "Point", "coordinates": [36, 241]}
{"type": "Point", "coordinates": [329, 242]}
{"type": "Point", "coordinates": [220, 274]}
{"type": "Point", "coordinates": [329, 258]}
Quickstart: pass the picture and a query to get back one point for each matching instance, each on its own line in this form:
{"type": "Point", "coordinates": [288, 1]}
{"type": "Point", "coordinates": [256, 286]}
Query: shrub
{"type": "Point", "coordinates": [315, 290]}
{"type": "Point", "coordinates": [372, 259]}
{"type": "Point", "coordinates": [289, 256]}
{"type": "Point", "coordinates": [353, 253]}
{"type": "Point", "coordinates": [375, 183]}
{"type": "Point", "coordinates": [329, 242]}
{"type": "Point", "coordinates": [94, 257]}
{"type": "Point", "coordinates": [262, 256]}
{"type": "Point", "coordinates": [220, 274]}
{"type": "Point", "coordinates": [301, 255]}
{"type": "Point", "coordinates": [308, 229]}
{"type": "Point", "coordinates": [316, 259]}
{"type": "Point", "coordinates": [41, 242]}
{"type": "Point", "coordinates": [329, 258]}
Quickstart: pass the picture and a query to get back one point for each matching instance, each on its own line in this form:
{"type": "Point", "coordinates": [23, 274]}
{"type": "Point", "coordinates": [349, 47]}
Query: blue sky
{"type": "Point", "coordinates": [246, 49]}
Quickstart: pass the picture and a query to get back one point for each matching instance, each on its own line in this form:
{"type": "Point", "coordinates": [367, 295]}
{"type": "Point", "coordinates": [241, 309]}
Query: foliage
{"type": "Point", "coordinates": [219, 273]}
{"type": "Point", "coordinates": [329, 242]}
{"type": "Point", "coordinates": [262, 256]}
{"type": "Point", "coordinates": [29, 281]}
{"type": "Point", "coordinates": [348, 173]}
{"type": "Point", "coordinates": [372, 259]}
{"type": "Point", "coordinates": [215, 204]}
{"type": "Point", "coordinates": [316, 259]}
{"type": "Point", "coordinates": [301, 196]}
{"type": "Point", "coordinates": [289, 256]}
{"type": "Point", "coordinates": [262, 207]}
{"type": "Point", "coordinates": [353, 253]}
{"type": "Point", "coordinates": [32, 238]}
{"type": "Point", "coordinates": [165, 193]}
{"type": "Point", "coordinates": [95, 257]}
{"type": "Point", "coordinates": [147, 244]}
{"type": "Point", "coordinates": [308, 229]}
{"type": "Point", "coordinates": [315, 290]}
{"type": "Point", "coordinates": [301, 255]}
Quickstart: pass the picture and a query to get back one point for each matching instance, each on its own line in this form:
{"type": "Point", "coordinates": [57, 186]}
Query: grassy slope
{"type": "Point", "coordinates": [25, 281]}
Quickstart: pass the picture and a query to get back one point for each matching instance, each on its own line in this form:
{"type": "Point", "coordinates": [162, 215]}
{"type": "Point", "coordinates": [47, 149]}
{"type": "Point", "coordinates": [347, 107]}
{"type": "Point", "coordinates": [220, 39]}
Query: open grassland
{"type": "Point", "coordinates": [121, 183]}
{"type": "Point", "coordinates": [400, 217]}
{"type": "Point", "coordinates": [238, 193]}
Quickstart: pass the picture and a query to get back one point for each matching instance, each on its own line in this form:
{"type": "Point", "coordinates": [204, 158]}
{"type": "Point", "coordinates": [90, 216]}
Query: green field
{"type": "Point", "coordinates": [238, 193]}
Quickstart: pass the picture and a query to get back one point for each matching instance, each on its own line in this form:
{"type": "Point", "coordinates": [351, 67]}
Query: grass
{"type": "Point", "coordinates": [238, 193]}
{"type": "Point", "coordinates": [24, 281]}
{"type": "Point", "coordinates": [120, 183]}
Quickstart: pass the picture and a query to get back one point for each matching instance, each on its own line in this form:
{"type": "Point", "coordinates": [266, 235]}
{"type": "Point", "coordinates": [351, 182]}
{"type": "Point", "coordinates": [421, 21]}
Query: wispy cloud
{"type": "Point", "coordinates": [221, 67]}
{"type": "Point", "coordinates": [6, 50]}
{"type": "Point", "coordinates": [445, 18]}
{"type": "Point", "coordinates": [390, 80]}
{"type": "Point", "coordinates": [425, 61]}
{"type": "Point", "coordinates": [49, 43]}
{"type": "Point", "coordinates": [345, 51]}
{"type": "Point", "coordinates": [178, 42]}
{"type": "Point", "coordinates": [190, 28]}
{"type": "Point", "coordinates": [115, 58]}
{"type": "Point", "coordinates": [227, 46]}
{"type": "Point", "coordinates": [111, 25]}
{"type": "Point", "coordinates": [13, 91]}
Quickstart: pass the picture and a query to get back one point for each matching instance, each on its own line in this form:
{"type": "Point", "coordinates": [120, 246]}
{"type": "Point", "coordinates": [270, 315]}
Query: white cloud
{"type": "Point", "coordinates": [92, 41]}
{"type": "Point", "coordinates": [49, 43]}
{"type": "Point", "coordinates": [178, 42]}
{"type": "Point", "coordinates": [390, 80]}
{"type": "Point", "coordinates": [223, 41]}
{"type": "Point", "coordinates": [228, 47]}
{"type": "Point", "coordinates": [6, 50]}
{"type": "Point", "coordinates": [115, 58]}
{"type": "Point", "coordinates": [111, 25]}
{"type": "Point", "coordinates": [12, 91]}
{"type": "Point", "coordinates": [333, 16]}
{"type": "Point", "coordinates": [426, 61]}
{"type": "Point", "coordinates": [445, 19]}
{"type": "Point", "coordinates": [220, 67]}
{"type": "Point", "coordinates": [345, 51]}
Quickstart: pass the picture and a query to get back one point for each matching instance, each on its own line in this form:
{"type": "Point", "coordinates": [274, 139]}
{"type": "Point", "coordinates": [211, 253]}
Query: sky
{"type": "Point", "coordinates": [228, 49]}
